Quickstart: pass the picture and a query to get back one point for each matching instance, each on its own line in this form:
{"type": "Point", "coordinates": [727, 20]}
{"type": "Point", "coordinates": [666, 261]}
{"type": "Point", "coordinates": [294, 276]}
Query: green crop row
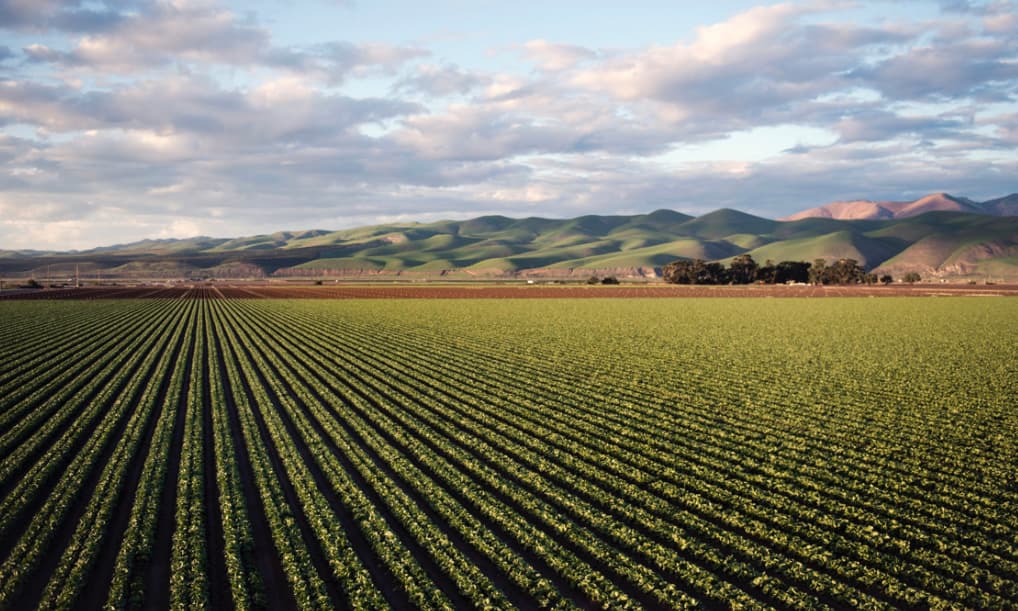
{"type": "Point", "coordinates": [558, 453]}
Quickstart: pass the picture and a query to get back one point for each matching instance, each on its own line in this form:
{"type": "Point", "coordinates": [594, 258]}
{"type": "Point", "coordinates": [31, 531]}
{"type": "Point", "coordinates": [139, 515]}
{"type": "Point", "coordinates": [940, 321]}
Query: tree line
{"type": "Point", "coordinates": [744, 270]}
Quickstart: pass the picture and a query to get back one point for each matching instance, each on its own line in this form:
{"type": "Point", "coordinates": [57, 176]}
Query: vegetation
{"type": "Point", "coordinates": [218, 453]}
{"type": "Point", "coordinates": [585, 245]}
{"type": "Point", "coordinates": [744, 270]}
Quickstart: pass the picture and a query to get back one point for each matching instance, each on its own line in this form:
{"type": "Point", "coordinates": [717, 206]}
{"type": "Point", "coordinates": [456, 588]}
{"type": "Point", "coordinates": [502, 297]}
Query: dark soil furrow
{"type": "Point", "coordinates": [512, 591]}
{"type": "Point", "coordinates": [109, 375]}
{"type": "Point", "coordinates": [157, 573]}
{"type": "Point", "coordinates": [575, 549]}
{"type": "Point", "coordinates": [277, 594]}
{"type": "Point", "coordinates": [220, 596]}
{"type": "Point", "coordinates": [32, 592]}
{"type": "Point", "coordinates": [311, 541]}
{"type": "Point", "coordinates": [420, 555]}
{"type": "Point", "coordinates": [97, 585]}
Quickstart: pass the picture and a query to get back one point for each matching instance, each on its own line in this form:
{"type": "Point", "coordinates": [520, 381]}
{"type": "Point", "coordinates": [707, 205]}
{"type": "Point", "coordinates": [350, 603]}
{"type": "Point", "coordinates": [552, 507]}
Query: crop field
{"type": "Point", "coordinates": [482, 290]}
{"type": "Point", "coordinates": [203, 451]}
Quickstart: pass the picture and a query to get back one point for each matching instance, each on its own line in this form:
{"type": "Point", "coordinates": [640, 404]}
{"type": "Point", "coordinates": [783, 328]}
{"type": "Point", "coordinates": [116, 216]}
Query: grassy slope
{"type": "Point", "coordinates": [497, 243]}
{"type": "Point", "coordinates": [832, 246]}
{"type": "Point", "coordinates": [950, 239]}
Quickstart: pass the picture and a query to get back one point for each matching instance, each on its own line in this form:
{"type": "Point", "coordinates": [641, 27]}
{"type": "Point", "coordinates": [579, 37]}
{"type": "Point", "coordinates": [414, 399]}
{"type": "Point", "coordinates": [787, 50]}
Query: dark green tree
{"type": "Point", "coordinates": [792, 271]}
{"type": "Point", "coordinates": [912, 277]}
{"type": "Point", "coordinates": [678, 272]}
{"type": "Point", "coordinates": [846, 271]}
{"type": "Point", "coordinates": [818, 273]}
{"type": "Point", "coordinates": [742, 270]}
{"type": "Point", "coordinates": [767, 273]}
{"type": "Point", "coordinates": [710, 273]}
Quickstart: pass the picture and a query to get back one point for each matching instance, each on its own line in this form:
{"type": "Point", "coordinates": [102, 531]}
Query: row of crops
{"type": "Point", "coordinates": [217, 453]}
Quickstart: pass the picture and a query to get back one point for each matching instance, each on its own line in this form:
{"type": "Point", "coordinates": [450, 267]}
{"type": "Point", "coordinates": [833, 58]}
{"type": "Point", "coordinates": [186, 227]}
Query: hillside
{"type": "Point", "coordinates": [955, 244]}
{"type": "Point", "coordinates": [935, 202]}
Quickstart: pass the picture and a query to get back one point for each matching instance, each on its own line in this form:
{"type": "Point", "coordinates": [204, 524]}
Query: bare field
{"type": "Point", "coordinates": [501, 291]}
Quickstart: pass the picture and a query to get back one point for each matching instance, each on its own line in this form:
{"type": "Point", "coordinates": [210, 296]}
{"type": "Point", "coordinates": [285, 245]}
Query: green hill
{"type": "Point", "coordinates": [725, 222]}
{"type": "Point", "coordinates": [844, 244]}
{"type": "Point", "coordinates": [934, 244]}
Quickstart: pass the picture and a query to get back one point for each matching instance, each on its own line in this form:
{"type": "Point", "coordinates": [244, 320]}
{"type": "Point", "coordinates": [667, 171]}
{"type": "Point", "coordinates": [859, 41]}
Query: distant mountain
{"type": "Point", "coordinates": [935, 202]}
{"type": "Point", "coordinates": [936, 243]}
{"type": "Point", "coordinates": [1003, 206]}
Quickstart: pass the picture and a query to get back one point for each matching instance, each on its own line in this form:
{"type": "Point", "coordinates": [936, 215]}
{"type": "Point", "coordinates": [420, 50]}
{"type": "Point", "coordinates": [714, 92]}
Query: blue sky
{"type": "Point", "coordinates": [129, 119]}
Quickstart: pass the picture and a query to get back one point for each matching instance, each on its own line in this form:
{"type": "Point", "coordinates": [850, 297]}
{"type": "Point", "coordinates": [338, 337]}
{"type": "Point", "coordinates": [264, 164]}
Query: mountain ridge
{"type": "Point", "coordinates": [935, 243]}
{"type": "Point", "coordinates": [864, 209]}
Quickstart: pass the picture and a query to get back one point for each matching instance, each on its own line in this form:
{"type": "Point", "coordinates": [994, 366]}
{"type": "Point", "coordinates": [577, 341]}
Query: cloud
{"type": "Point", "coordinates": [440, 80]}
{"type": "Point", "coordinates": [978, 68]}
{"type": "Point", "coordinates": [510, 122]}
{"type": "Point", "coordinates": [168, 31]}
{"type": "Point", "coordinates": [1004, 127]}
{"type": "Point", "coordinates": [976, 7]}
{"type": "Point", "coordinates": [165, 33]}
{"type": "Point", "coordinates": [267, 144]}
{"type": "Point", "coordinates": [150, 113]}
{"type": "Point", "coordinates": [336, 61]}
{"type": "Point", "coordinates": [554, 57]}
{"type": "Point", "coordinates": [882, 126]}
{"type": "Point", "coordinates": [279, 110]}
{"type": "Point", "coordinates": [1001, 23]}
{"type": "Point", "coordinates": [756, 68]}
{"type": "Point", "coordinates": [67, 15]}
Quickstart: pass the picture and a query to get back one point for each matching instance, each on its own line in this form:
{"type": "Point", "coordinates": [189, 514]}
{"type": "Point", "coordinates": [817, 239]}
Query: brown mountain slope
{"type": "Point", "coordinates": [1003, 206]}
{"type": "Point", "coordinates": [847, 211]}
{"type": "Point", "coordinates": [935, 202]}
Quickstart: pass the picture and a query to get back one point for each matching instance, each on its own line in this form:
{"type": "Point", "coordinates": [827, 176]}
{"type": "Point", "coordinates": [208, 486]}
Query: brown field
{"type": "Point", "coordinates": [495, 291]}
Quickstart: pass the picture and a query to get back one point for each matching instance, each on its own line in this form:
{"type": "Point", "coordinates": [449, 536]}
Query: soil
{"type": "Point", "coordinates": [499, 291]}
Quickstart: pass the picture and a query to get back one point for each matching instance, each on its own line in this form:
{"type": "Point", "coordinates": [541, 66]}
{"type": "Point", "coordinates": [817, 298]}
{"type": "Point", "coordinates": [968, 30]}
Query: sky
{"type": "Point", "coordinates": [123, 120]}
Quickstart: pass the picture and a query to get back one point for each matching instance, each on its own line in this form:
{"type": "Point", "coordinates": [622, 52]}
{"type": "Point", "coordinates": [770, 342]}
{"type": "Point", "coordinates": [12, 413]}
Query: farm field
{"type": "Point", "coordinates": [484, 290]}
{"type": "Point", "coordinates": [195, 449]}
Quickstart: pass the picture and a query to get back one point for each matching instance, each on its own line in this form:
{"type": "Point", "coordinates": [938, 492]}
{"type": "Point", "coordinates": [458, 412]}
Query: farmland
{"type": "Point", "coordinates": [199, 449]}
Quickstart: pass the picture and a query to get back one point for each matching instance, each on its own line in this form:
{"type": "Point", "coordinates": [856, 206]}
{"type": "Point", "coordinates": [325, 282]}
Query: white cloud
{"type": "Point", "coordinates": [554, 57]}
{"type": "Point", "coordinates": [440, 80]}
{"type": "Point", "coordinates": [130, 116]}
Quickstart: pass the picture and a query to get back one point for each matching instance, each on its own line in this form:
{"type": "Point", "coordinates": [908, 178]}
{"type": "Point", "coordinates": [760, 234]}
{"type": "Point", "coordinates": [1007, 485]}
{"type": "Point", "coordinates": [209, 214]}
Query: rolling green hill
{"type": "Point", "coordinates": [936, 244]}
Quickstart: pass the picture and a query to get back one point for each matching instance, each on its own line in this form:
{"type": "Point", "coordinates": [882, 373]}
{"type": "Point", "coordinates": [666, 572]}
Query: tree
{"type": "Point", "coordinates": [886, 279]}
{"type": "Point", "coordinates": [912, 277]}
{"type": "Point", "coordinates": [846, 271]}
{"type": "Point", "coordinates": [767, 272]}
{"type": "Point", "coordinates": [678, 272]}
{"type": "Point", "coordinates": [792, 271]}
{"type": "Point", "coordinates": [818, 273]}
{"type": "Point", "coordinates": [710, 273]}
{"type": "Point", "coordinates": [742, 270]}
{"type": "Point", "coordinates": [696, 271]}
{"type": "Point", "coordinates": [610, 280]}
{"type": "Point", "coordinates": [593, 280]}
